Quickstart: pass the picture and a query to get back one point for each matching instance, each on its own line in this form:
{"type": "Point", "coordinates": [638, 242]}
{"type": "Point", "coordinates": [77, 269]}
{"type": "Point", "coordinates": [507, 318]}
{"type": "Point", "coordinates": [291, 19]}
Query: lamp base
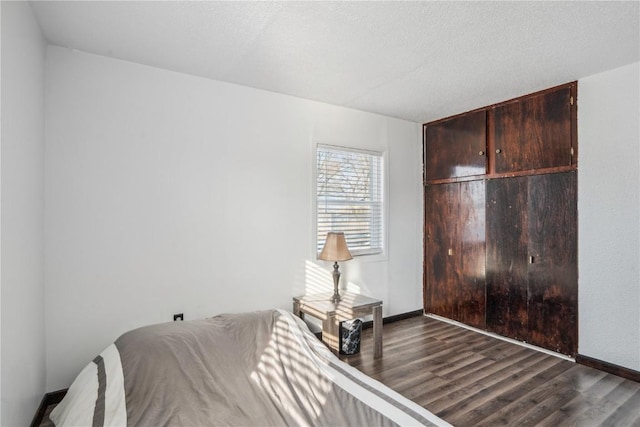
{"type": "Point", "coordinates": [336, 280]}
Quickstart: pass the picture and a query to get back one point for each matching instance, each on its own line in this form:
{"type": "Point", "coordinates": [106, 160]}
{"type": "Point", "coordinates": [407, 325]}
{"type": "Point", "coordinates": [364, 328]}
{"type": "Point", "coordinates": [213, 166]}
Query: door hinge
{"type": "Point", "coordinates": [571, 100]}
{"type": "Point", "coordinates": [571, 151]}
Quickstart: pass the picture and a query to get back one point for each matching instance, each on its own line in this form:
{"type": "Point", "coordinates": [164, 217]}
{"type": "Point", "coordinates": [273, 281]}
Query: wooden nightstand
{"type": "Point", "coordinates": [349, 307]}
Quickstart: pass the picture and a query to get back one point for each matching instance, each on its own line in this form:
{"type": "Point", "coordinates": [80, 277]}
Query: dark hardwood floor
{"type": "Point", "coordinates": [471, 379]}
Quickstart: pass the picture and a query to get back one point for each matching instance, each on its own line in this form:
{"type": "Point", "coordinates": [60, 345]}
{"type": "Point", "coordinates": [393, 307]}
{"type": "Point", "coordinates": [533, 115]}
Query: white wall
{"type": "Point", "coordinates": [170, 193]}
{"type": "Point", "coordinates": [609, 218]}
{"type": "Point", "coordinates": [22, 168]}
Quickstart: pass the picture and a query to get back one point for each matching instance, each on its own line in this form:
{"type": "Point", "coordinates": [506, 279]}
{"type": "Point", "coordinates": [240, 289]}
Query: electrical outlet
{"type": "Point", "coordinates": [179, 316]}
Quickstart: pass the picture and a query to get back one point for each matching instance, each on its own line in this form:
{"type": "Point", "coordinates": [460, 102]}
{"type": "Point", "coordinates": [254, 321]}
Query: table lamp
{"type": "Point", "coordinates": [335, 249]}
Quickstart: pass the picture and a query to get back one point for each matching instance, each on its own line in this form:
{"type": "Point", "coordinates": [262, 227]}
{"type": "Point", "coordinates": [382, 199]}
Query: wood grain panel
{"type": "Point", "coordinates": [553, 270]}
{"type": "Point", "coordinates": [441, 215]}
{"type": "Point", "coordinates": [456, 147]}
{"type": "Point", "coordinates": [507, 251]}
{"type": "Point", "coordinates": [455, 252]}
{"type": "Point", "coordinates": [534, 132]}
{"type": "Point", "coordinates": [471, 259]}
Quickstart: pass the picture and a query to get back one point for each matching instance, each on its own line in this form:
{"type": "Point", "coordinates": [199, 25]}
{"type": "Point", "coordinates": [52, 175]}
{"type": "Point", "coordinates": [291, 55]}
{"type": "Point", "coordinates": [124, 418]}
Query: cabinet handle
{"type": "Point", "coordinates": [481, 153]}
{"type": "Point", "coordinates": [531, 260]}
{"type": "Point", "coordinates": [498, 151]}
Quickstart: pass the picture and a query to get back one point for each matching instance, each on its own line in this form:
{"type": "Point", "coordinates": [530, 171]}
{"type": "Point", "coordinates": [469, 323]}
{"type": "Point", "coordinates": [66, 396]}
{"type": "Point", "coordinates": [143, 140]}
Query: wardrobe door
{"type": "Point", "coordinates": [553, 271]}
{"type": "Point", "coordinates": [471, 267]}
{"type": "Point", "coordinates": [456, 147]}
{"type": "Point", "coordinates": [441, 214]}
{"type": "Point", "coordinates": [455, 251]}
{"type": "Point", "coordinates": [507, 250]}
{"type": "Point", "coordinates": [534, 132]}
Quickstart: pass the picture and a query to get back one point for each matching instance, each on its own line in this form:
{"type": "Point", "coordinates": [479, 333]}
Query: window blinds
{"type": "Point", "coordinates": [350, 198]}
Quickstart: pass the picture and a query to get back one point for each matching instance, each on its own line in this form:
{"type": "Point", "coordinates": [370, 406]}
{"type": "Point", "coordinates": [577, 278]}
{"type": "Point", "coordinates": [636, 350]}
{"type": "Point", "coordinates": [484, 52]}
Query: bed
{"type": "Point", "coordinates": [260, 368]}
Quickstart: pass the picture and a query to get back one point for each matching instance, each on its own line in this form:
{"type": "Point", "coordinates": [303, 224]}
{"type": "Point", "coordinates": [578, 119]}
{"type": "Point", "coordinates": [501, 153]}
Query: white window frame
{"type": "Point", "coordinates": [370, 255]}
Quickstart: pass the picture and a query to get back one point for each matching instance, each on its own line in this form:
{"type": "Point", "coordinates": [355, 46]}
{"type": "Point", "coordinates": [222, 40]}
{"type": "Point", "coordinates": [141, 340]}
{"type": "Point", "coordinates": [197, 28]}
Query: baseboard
{"type": "Point", "coordinates": [396, 317]}
{"type": "Point", "coordinates": [48, 399]}
{"type": "Point", "coordinates": [610, 368]}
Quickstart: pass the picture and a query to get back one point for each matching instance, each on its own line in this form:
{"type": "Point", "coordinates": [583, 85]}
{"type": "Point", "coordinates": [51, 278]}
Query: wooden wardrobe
{"type": "Point", "coordinates": [501, 219]}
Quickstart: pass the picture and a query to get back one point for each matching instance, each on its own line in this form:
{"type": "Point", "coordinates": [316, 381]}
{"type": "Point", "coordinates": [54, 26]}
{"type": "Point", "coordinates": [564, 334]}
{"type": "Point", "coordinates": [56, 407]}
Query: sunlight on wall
{"type": "Point", "coordinates": [353, 288]}
{"type": "Point", "coordinates": [317, 279]}
{"type": "Point", "coordinates": [320, 280]}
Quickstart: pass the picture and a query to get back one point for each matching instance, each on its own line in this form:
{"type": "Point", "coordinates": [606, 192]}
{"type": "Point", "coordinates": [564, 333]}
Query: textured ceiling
{"type": "Point", "coordinates": [413, 60]}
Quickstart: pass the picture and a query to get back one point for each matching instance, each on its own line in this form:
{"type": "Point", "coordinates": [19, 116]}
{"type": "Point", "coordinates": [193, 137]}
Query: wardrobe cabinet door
{"type": "Point", "coordinates": [456, 147]}
{"type": "Point", "coordinates": [471, 238]}
{"type": "Point", "coordinates": [507, 251]}
{"type": "Point", "coordinates": [553, 268]}
{"type": "Point", "coordinates": [455, 251]}
{"type": "Point", "coordinates": [533, 132]}
{"type": "Point", "coordinates": [441, 211]}
{"type": "Point", "coordinates": [532, 285]}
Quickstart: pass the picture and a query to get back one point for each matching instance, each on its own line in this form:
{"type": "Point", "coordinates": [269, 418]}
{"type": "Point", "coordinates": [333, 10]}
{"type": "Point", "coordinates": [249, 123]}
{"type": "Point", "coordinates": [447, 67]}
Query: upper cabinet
{"type": "Point", "coordinates": [532, 134]}
{"type": "Point", "coordinates": [456, 147]}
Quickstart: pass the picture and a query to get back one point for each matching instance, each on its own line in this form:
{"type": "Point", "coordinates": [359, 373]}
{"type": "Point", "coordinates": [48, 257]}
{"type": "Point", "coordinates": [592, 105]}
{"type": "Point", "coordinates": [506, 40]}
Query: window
{"type": "Point", "coordinates": [349, 191]}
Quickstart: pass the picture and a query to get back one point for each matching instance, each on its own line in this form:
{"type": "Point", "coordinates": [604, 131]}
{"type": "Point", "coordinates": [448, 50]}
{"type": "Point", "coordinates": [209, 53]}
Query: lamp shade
{"type": "Point", "coordinates": [335, 248]}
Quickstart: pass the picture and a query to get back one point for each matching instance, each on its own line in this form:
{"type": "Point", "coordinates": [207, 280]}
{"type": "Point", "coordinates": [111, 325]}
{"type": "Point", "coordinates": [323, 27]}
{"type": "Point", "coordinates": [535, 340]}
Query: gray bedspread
{"type": "Point", "coordinates": [253, 369]}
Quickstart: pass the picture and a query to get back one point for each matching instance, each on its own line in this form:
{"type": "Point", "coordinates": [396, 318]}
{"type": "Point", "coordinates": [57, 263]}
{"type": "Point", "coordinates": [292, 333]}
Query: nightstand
{"type": "Point", "coordinates": [332, 313]}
